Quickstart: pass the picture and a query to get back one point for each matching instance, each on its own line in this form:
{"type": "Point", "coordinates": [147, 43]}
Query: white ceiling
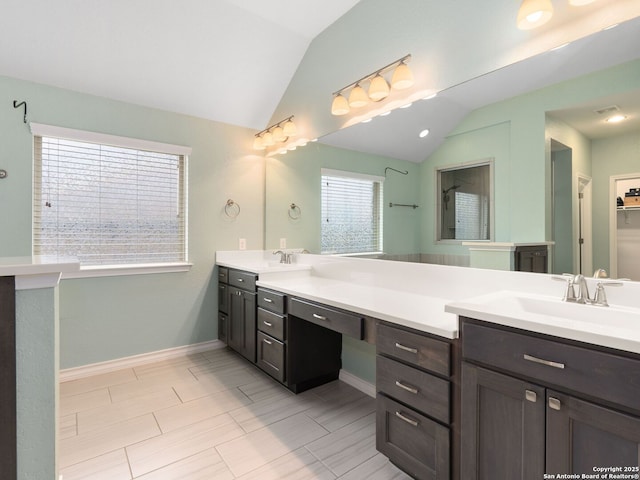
{"type": "Point", "coordinates": [396, 135]}
{"type": "Point", "coordinates": [224, 60]}
{"type": "Point", "coordinates": [232, 60]}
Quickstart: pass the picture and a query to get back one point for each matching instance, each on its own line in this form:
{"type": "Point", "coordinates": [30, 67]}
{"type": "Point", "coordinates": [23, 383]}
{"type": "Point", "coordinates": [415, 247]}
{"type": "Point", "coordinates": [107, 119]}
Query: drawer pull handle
{"type": "Point", "coordinates": [541, 361]}
{"type": "Point", "coordinates": [554, 403]}
{"type": "Point", "coordinates": [241, 280]}
{"type": "Point", "coordinates": [267, 323]}
{"type": "Point", "coordinates": [268, 300]}
{"type": "Point", "coordinates": [267, 341]}
{"type": "Point", "coordinates": [221, 275]}
{"type": "Point", "coordinates": [407, 387]}
{"type": "Point", "coordinates": [406, 349]}
{"type": "Point", "coordinates": [272, 365]}
{"type": "Point", "coordinates": [530, 395]}
{"type": "Point", "coordinates": [319, 317]}
{"type": "Point", "coordinates": [410, 421]}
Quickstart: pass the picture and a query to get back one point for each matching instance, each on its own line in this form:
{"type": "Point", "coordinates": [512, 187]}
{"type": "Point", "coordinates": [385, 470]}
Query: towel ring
{"type": "Point", "coordinates": [231, 209]}
{"type": "Point", "coordinates": [294, 212]}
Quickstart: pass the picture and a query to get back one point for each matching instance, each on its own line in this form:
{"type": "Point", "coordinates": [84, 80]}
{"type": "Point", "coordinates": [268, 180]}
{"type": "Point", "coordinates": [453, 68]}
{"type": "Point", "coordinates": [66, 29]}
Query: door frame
{"type": "Point", "coordinates": [613, 220]}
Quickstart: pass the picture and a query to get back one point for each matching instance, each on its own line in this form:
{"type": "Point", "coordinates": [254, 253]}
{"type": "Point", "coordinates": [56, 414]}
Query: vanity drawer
{"type": "Point", "coordinates": [271, 324]}
{"type": "Point", "coordinates": [417, 444]}
{"type": "Point", "coordinates": [613, 378]}
{"type": "Point", "coordinates": [414, 348]}
{"type": "Point", "coordinates": [271, 356]}
{"type": "Point", "coordinates": [223, 275]}
{"type": "Point", "coordinates": [223, 297]}
{"type": "Point", "coordinates": [415, 388]}
{"type": "Point", "coordinates": [336, 320]}
{"type": "Point", "coordinates": [244, 280]}
{"type": "Point", "coordinates": [273, 301]}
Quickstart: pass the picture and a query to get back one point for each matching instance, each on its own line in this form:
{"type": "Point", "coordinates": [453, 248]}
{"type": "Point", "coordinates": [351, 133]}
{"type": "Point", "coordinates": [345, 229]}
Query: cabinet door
{"type": "Point", "coordinates": [242, 323]}
{"type": "Point", "coordinates": [223, 297]}
{"type": "Point", "coordinates": [414, 442]}
{"type": "Point", "coordinates": [502, 427]}
{"type": "Point", "coordinates": [222, 327]}
{"type": "Point", "coordinates": [582, 435]}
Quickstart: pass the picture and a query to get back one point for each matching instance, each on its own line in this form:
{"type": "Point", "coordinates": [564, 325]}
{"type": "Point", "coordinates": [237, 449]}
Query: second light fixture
{"type": "Point", "coordinates": [379, 88]}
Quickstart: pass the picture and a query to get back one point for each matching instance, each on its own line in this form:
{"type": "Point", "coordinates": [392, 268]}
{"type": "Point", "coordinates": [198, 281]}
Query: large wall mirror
{"type": "Point", "coordinates": [552, 172]}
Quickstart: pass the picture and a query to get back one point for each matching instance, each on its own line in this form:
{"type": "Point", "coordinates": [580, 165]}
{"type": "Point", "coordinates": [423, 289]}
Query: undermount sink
{"type": "Point", "coordinates": [518, 304]}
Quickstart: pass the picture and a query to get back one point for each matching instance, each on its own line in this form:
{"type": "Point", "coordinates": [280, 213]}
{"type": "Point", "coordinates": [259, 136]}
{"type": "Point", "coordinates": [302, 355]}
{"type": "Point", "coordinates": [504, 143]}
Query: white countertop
{"type": "Point", "coordinates": [430, 297]}
{"type": "Point", "coordinates": [420, 312]}
{"type": "Point", "coordinates": [614, 326]}
{"type": "Point", "coordinates": [37, 271]}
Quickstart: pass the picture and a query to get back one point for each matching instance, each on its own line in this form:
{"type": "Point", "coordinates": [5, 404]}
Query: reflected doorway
{"type": "Point", "coordinates": [562, 229]}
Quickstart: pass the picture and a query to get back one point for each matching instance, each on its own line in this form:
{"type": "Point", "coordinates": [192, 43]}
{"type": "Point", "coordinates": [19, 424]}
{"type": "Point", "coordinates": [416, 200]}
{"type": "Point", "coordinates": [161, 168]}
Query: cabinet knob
{"type": "Point", "coordinates": [554, 403]}
{"type": "Point", "coordinates": [531, 396]}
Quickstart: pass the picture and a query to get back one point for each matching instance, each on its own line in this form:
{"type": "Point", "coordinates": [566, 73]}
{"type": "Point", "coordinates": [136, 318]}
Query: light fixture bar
{"type": "Point", "coordinates": [274, 125]}
{"type": "Point", "coordinates": [384, 69]}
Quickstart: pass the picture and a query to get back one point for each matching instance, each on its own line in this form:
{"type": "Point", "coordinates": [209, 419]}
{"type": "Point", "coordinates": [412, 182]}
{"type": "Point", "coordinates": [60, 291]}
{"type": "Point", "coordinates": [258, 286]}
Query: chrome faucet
{"type": "Point", "coordinates": [583, 289]}
{"type": "Point", "coordinates": [285, 257]}
{"type": "Point", "coordinates": [582, 296]}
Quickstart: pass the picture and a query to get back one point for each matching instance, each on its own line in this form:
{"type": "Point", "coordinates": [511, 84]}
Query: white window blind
{"type": "Point", "coordinates": [351, 213]}
{"type": "Point", "coordinates": [108, 205]}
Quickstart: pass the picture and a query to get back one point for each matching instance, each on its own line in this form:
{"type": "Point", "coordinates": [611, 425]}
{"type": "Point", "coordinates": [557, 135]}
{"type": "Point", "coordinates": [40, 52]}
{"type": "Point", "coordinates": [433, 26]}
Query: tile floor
{"type": "Point", "coordinates": [215, 416]}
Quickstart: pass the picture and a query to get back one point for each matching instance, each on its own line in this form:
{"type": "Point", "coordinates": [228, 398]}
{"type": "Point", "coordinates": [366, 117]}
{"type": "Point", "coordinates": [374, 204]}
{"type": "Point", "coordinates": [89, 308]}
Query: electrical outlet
{"type": "Point", "coordinates": [283, 243]}
{"type": "Point", "coordinates": [242, 243]}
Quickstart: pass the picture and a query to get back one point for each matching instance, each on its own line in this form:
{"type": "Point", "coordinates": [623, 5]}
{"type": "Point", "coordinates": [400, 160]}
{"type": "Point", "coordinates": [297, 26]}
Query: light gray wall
{"type": "Point", "coordinates": [112, 317]}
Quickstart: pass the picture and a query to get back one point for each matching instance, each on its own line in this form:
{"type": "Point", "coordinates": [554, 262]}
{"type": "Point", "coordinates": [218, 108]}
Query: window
{"type": "Point", "coordinates": [351, 213]}
{"type": "Point", "coordinates": [108, 200]}
{"type": "Point", "coordinates": [465, 201]}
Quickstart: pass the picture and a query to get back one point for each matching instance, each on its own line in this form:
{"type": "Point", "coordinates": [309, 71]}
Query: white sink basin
{"type": "Point", "coordinates": [519, 305]}
{"type": "Point", "coordinates": [614, 326]}
{"type": "Point", "coordinates": [550, 307]}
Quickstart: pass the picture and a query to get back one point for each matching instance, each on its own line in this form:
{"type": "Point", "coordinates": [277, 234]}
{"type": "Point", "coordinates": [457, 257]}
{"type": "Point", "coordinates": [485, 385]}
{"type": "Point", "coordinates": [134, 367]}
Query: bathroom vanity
{"type": "Point", "coordinates": [490, 375]}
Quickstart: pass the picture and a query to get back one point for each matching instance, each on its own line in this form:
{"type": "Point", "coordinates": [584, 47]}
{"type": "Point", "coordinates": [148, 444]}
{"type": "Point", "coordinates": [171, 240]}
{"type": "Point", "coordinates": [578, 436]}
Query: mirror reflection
{"type": "Point", "coordinates": [555, 178]}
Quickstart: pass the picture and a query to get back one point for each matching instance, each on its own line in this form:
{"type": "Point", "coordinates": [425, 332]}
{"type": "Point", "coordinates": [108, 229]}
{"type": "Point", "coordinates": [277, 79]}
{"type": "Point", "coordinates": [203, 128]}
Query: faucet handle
{"type": "Point", "coordinates": [569, 293]}
{"type": "Point", "coordinates": [600, 297]}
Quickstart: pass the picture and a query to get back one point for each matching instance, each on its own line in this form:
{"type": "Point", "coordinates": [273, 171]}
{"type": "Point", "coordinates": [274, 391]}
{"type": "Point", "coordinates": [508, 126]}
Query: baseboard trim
{"type": "Point", "coordinates": [357, 382]}
{"type": "Point", "coordinates": [83, 371]}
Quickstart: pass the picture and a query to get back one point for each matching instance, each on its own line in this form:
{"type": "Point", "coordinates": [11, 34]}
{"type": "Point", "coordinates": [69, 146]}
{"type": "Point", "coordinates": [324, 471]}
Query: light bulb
{"type": "Point", "coordinates": [258, 144]}
{"type": "Point", "coordinates": [290, 129]}
{"type": "Point", "coordinates": [378, 89]}
{"type": "Point", "coordinates": [278, 134]}
{"type": "Point", "coordinates": [358, 97]}
{"type": "Point", "coordinates": [340, 106]}
{"type": "Point", "coordinates": [534, 13]}
{"type": "Point", "coordinates": [402, 77]}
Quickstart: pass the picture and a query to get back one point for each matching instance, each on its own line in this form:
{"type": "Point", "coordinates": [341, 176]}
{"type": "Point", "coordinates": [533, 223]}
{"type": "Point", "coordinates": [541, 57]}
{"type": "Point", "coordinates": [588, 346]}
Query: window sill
{"type": "Point", "coordinates": [358, 255]}
{"type": "Point", "coordinates": [118, 270]}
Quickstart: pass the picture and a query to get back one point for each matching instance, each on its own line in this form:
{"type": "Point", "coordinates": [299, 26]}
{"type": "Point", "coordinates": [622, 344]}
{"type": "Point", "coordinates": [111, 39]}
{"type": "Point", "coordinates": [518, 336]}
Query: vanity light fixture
{"type": "Point", "coordinates": [379, 88]}
{"type": "Point", "coordinates": [277, 133]}
{"type": "Point", "coordinates": [534, 13]}
{"type": "Point", "coordinates": [424, 133]}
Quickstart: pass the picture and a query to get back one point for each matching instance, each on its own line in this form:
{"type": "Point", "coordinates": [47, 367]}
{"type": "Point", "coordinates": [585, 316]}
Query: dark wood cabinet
{"type": "Point", "coordinates": [416, 426]}
{"type": "Point", "coordinates": [503, 432]}
{"type": "Point", "coordinates": [241, 333]}
{"type": "Point", "coordinates": [237, 311]}
{"type": "Point", "coordinates": [582, 435]}
{"type": "Point", "coordinates": [533, 404]}
{"type": "Point", "coordinates": [531, 258]}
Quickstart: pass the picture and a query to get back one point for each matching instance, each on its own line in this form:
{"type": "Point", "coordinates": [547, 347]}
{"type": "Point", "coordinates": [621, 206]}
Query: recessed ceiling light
{"type": "Point", "coordinates": [424, 133]}
{"type": "Point", "coordinates": [616, 118]}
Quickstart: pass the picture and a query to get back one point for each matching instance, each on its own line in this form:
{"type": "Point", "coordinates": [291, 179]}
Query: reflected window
{"type": "Point", "coordinates": [351, 213]}
{"type": "Point", "coordinates": [465, 201]}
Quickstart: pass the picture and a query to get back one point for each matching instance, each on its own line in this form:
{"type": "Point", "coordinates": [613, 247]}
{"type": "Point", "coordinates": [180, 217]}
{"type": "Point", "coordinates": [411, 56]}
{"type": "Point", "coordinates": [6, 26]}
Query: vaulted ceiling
{"type": "Point", "coordinates": [252, 62]}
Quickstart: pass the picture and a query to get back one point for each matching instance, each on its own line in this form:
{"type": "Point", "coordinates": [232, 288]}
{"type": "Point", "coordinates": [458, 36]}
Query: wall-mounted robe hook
{"type": "Point", "coordinates": [21, 104]}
